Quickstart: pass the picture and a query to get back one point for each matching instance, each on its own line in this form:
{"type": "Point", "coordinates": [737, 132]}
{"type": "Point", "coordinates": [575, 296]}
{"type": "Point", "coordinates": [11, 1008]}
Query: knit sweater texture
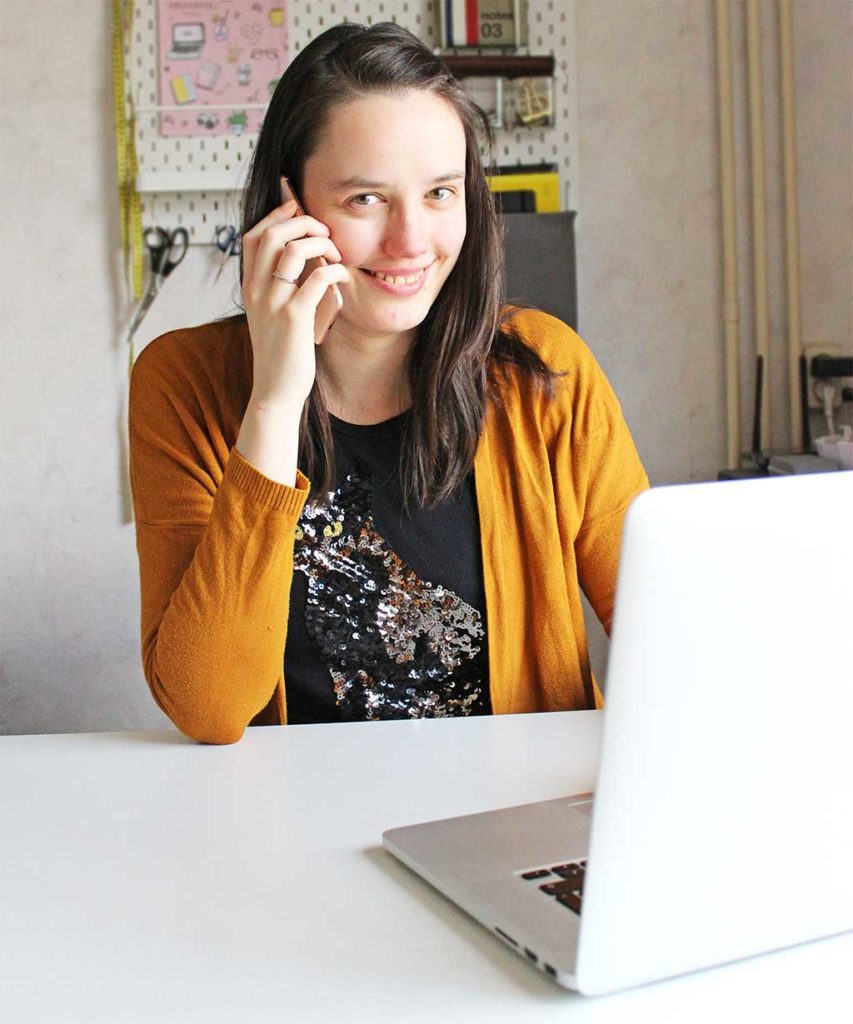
{"type": "Point", "coordinates": [215, 536]}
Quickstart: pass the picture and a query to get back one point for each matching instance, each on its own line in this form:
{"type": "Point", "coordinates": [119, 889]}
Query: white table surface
{"type": "Point", "coordinates": [144, 877]}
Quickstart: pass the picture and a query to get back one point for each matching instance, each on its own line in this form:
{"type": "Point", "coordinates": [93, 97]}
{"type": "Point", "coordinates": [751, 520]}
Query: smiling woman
{"type": "Point", "coordinates": [399, 222]}
{"type": "Point", "coordinates": [394, 518]}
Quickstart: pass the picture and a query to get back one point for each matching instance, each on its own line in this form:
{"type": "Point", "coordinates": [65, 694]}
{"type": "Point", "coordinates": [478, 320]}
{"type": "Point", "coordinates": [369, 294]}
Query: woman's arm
{"type": "Point", "coordinates": [215, 527]}
{"type": "Point", "coordinates": [597, 471]}
{"type": "Point", "coordinates": [607, 474]}
{"type": "Point", "coordinates": [616, 476]}
{"type": "Point", "coordinates": [215, 543]}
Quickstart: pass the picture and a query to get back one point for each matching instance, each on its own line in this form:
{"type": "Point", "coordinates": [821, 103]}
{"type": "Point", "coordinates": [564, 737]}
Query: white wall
{"type": "Point", "coordinates": [649, 238]}
{"type": "Point", "coordinates": [649, 277]}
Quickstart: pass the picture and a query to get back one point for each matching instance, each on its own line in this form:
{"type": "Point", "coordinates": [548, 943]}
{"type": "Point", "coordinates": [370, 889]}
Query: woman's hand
{"type": "Point", "coordinates": [281, 326]}
{"type": "Point", "coordinates": [281, 312]}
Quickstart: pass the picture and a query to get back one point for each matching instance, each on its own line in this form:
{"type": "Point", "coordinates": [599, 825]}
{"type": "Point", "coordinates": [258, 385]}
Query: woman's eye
{"type": "Point", "coordinates": [357, 200]}
{"type": "Point", "coordinates": [441, 188]}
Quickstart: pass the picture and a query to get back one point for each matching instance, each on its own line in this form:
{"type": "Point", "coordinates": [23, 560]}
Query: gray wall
{"type": "Point", "coordinates": [649, 295]}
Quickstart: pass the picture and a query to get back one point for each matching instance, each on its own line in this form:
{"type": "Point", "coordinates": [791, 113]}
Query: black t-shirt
{"type": "Point", "coordinates": [387, 609]}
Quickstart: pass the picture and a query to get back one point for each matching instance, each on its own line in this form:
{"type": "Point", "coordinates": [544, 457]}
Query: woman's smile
{"type": "Point", "coordinates": [398, 282]}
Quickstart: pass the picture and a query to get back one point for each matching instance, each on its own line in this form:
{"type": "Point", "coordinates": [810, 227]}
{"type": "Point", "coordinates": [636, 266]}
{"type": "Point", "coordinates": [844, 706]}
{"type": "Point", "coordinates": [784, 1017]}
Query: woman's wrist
{"type": "Point", "coordinates": [269, 438]}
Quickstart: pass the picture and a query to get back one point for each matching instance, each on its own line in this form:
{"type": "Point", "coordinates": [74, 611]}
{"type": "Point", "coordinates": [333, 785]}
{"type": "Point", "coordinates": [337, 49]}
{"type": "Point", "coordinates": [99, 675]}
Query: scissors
{"type": "Point", "coordinates": [166, 249]}
{"type": "Point", "coordinates": [230, 243]}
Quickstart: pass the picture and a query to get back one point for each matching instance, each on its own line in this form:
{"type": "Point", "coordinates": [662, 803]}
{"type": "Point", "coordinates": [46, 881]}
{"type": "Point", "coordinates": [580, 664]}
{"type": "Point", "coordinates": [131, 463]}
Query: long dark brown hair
{"type": "Point", "coordinates": [466, 331]}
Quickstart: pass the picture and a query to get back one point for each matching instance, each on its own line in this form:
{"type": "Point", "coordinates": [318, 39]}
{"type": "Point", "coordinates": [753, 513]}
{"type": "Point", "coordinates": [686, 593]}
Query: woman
{"type": "Point", "coordinates": [396, 522]}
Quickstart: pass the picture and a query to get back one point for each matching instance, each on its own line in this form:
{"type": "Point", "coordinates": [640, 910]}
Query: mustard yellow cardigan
{"type": "Point", "coordinates": [215, 537]}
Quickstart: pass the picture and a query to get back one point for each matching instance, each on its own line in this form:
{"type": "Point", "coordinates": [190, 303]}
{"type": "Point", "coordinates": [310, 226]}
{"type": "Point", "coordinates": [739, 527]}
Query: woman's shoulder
{"type": "Point", "coordinates": [186, 352]}
{"type": "Point", "coordinates": [580, 393]}
{"type": "Point", "coordinates": [193, 375]}
{"type": "Point", "coordinates": [559, 346]}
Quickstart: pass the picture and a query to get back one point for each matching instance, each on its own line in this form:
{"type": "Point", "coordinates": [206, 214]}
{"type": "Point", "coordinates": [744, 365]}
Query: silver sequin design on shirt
{"type": "Point", "coordinates": [396, 646]}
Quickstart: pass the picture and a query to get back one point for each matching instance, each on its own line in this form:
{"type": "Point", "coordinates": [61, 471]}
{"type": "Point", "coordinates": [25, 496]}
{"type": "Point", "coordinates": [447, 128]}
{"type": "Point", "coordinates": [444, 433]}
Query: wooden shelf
{"type": "Point", "coordinates": [478, 65]}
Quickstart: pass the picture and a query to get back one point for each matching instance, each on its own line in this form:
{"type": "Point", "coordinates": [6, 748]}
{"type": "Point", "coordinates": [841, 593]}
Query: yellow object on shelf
{"type": "Point", "coordinates": [545, 186]}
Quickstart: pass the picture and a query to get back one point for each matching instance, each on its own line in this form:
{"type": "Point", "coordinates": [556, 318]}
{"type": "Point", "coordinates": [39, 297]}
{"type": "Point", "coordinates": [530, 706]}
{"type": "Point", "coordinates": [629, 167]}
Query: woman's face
{"type": "Point", "coordinates": [388, 178]}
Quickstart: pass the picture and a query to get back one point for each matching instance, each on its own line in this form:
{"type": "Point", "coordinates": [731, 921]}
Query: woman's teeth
{"type": "Point", "coordinates": [396, 280]}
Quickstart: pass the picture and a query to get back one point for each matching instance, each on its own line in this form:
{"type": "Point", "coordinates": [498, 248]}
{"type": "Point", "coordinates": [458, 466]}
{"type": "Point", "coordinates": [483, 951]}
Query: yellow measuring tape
{"type": "Point", "coordinates": [125, 127]}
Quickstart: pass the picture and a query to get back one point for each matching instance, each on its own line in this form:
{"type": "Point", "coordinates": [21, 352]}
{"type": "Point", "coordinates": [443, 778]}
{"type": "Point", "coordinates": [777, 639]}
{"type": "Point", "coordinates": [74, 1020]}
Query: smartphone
{"type": "Point", "coordinates": [332, 302]}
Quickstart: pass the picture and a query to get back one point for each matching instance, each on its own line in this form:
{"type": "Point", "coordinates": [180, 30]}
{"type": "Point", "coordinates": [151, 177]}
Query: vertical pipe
{"type": "Point", "coordinates": [792, 222]}
{"type": "Point", "coordinates": [731, 316]}
{"type": "Point", "coordinates": [759, 219]}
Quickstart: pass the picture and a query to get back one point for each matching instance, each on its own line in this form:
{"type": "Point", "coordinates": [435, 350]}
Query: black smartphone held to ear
{"type": "Point", "coordinates": [332, 302]}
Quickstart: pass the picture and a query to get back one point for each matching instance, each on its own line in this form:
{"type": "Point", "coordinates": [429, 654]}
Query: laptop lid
{"type": "Point", "coordinates": [723, 823]}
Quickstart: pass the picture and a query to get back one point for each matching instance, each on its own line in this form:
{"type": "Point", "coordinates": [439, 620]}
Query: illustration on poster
{"type": "Point", "coordinates": [219, 62]}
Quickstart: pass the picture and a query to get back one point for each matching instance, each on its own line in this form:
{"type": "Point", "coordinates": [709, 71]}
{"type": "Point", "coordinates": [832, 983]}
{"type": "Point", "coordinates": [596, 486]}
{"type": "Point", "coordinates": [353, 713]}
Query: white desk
{"type": "Point", "coordinates": [147, 878]}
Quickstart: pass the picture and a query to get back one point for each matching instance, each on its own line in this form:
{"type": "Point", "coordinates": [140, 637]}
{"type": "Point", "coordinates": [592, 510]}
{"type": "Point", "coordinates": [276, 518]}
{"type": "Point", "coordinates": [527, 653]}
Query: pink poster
{"type": "Point", "coordinates": [219, 62]}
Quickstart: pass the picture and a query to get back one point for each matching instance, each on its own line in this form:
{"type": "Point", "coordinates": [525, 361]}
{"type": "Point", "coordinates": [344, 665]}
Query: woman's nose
{"type": "Point", "coordinates": [406, 232]}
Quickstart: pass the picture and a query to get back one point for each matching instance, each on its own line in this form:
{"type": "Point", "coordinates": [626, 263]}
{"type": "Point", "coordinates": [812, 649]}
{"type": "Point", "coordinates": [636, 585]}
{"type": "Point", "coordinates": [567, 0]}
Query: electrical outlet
{"type": "Point", "coordinates": [827, 349]}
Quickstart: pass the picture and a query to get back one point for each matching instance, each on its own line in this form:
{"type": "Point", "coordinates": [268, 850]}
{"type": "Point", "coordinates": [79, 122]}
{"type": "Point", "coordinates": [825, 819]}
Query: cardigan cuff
{"type": "Point", "coordinates": [276, 496]}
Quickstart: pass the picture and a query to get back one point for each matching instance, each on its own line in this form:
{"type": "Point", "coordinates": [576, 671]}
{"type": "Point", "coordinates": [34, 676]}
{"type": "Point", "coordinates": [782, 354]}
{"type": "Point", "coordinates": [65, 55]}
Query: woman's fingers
{"type": "Point", "coordinates": [285, 247]}
{"type": "Point", "coordinates": [280, 312]}
{"type": "Point", "coordinates": [264, 245]}
{"type": "Point", "coordinates": [291, 261]}
{"type": "Point", "coordinates": [253, 235]}
{"type": "Point", "coordinates": [276, 229]}
{"type": "Point", "coordinates": [312, 290]}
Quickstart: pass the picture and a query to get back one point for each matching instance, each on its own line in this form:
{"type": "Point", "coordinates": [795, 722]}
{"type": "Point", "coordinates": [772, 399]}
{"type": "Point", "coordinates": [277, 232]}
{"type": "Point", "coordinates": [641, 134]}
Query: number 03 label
{"type": "Point", "coordinates": [484, 23]}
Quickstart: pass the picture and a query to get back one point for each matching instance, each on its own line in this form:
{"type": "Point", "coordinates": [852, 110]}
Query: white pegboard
{"type": "Point", "coordinates": [195, 181]}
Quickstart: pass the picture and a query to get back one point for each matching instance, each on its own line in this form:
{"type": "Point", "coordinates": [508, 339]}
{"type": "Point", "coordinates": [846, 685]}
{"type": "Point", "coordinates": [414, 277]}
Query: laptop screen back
{"type": "Point", "coordinates": [722, 823]}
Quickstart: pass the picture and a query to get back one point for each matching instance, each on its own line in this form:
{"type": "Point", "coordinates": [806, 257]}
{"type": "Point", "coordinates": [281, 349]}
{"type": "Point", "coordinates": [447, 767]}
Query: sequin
{"type": "Point", "coordinates": [396, 646]}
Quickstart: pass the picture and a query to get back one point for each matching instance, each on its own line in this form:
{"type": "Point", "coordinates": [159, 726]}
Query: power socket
{"type": "Point", "coordinates": [817, 349]}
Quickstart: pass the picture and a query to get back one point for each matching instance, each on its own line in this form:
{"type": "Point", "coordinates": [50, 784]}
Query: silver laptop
{"type": "Point", "coordinates": [722, 823]}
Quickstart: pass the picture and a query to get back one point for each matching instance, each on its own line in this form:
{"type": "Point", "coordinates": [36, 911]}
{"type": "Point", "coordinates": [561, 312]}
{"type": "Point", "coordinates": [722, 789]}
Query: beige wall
{"type": "Point", "coordinates": [649, 238]}
{"type": "Point", "coordinates": [649, 276]}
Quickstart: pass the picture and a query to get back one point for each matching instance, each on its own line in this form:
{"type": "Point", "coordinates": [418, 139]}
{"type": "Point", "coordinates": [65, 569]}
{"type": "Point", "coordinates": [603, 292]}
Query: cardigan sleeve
{"type": "Point", "coordinates": [215, 543]}
{"type": "Point", "coordinates": [607, 475]}
{"type": "Point", "coordinates": [595, 464]}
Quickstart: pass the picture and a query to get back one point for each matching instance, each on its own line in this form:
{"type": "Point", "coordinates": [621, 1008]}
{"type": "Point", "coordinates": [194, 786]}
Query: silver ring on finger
{"type": "Point", "coordinates": [281, 277]}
